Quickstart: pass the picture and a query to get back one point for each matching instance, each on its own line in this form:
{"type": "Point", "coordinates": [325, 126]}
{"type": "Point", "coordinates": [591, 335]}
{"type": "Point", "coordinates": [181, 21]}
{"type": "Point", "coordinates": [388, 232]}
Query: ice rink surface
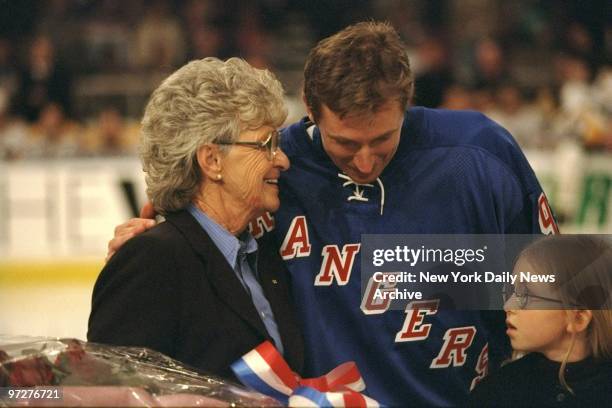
{"type": "Point", "coordinates": [47, 299]}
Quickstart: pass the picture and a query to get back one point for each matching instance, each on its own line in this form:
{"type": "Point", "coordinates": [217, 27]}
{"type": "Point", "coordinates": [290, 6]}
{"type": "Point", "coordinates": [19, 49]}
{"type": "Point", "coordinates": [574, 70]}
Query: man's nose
{"type": "Point", "coordinates": [364, 160]}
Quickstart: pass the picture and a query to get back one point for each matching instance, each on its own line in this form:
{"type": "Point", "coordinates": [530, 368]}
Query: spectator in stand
{"type": "Point", "coordinates": [7, 70]}
{"type": "Point", "coordinates": [41, 82]}
{"type": "Point", "coordinates": [205, 41]}
{"type": "Point", "coordinates": [111, 135]}
{"type": "Point", "coordinates": [523, 120]}
{"type": "Point", "coordinates": [583, 117]}
{"type": "Point", "coordinates": [13, 132]}
{"type": "Point", "coordinates": [251, 38]}
{"type": "Point", "coordinates": [201, 19]}
{"type": "Point", "coordinates": [456, 97]}
{"type": "Point", "coordinates": [199, 13]}
{"type": "Point", "coordinates": [490, 68]}
{"type": "Point", "coordinates": [602, 90]}
{"type": "Point", "coordinates": [53, 135]}
{"type": "Point", "coordinates": [482, 100]}
{"type": "Point", "coordinates": [579, 41]}
{"type": "Point", "coordinates": [436, 74]}
{"type": "Point", "coordinates": [60, 20]}
{"type": "Point", "coordinates": [106, 35]}
{"type": "Point", "coordinates": [575, 76]}
{"type": "Point", "coordinates": [160, 43]}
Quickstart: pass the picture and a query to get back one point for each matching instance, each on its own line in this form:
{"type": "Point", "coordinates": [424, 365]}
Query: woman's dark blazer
{"type": "Point", "coordinates": [171, 289]}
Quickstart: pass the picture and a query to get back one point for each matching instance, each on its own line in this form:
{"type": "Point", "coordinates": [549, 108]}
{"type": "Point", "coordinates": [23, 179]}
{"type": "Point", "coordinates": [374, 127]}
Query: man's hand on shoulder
{"type": "Point", "coordinates": [131, 228]}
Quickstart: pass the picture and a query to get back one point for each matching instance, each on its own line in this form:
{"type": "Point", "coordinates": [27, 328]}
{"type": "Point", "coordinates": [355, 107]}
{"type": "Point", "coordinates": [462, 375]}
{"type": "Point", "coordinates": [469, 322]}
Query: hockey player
{"type": "Point", "coordinates": [364, 162]}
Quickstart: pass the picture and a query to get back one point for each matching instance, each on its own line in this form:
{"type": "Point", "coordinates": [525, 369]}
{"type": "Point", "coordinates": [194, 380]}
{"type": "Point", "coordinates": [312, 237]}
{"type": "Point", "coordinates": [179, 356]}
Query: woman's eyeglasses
{"type": "Point", "coordinates": [270, 145]}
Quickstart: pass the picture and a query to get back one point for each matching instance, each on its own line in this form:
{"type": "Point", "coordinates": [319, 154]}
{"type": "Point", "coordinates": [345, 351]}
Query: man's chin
{"type": "Point", "coordinates": [363, 179]}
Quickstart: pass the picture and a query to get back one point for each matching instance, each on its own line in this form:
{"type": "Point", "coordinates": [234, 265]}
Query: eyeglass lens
{"type": "Point", "coordinates": [272, 144]}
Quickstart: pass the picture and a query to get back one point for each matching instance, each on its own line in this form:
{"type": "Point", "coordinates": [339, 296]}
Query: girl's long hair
{"type": "Point", "coordinates": [582, 265]}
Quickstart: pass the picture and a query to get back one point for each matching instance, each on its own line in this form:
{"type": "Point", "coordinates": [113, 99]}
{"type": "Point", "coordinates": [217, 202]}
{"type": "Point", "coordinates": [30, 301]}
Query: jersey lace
{"type": "Point", "coordinates": [358, 191]}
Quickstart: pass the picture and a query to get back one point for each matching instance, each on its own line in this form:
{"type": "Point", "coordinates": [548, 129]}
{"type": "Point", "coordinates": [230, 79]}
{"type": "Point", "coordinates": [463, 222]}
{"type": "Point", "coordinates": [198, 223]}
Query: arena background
{"type": "Point", "coordinates": [75, 75]}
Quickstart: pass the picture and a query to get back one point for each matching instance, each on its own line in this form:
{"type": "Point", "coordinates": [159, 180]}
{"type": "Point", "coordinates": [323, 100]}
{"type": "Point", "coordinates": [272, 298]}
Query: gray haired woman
{"type": "Point", "coordinates": [198, 287]}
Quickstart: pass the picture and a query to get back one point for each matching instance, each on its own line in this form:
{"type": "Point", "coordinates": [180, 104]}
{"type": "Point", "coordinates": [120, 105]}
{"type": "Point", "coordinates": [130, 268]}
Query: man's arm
{"type": "Point", "coordinates": [131, 228]}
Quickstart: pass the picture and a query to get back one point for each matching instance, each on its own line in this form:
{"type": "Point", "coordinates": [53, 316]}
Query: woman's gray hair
{"type": "Point", "coordinates": [204, 101]}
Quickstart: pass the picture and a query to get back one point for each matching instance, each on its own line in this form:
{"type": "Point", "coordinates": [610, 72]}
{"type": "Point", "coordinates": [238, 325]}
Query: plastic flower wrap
{"type": "Point", "coordinates": [90, 374]}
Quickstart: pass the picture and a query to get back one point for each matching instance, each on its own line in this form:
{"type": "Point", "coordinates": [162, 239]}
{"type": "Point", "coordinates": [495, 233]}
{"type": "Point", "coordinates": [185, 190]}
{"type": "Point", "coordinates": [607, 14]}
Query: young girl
{"type": "Point", "coordinates": [565, 328]}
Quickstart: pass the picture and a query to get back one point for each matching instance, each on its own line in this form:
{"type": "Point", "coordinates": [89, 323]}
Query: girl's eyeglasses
{"type": "Point", "coordinates": [522, 299]}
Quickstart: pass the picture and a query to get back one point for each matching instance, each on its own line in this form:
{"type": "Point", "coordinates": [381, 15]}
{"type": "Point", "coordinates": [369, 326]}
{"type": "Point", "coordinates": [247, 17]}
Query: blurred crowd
{"type": "Point", "coordinates": [75, 74]}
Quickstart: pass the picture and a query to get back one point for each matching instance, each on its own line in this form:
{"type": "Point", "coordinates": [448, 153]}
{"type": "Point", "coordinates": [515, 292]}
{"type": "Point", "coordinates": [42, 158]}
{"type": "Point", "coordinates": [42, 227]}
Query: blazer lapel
{"type": "Point", "coordinates": [218, 271]}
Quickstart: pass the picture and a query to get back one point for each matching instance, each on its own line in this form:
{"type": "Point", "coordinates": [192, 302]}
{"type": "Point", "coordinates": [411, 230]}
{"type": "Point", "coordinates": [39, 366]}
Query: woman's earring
{"type": "Point", "coordinates": [218, 176]}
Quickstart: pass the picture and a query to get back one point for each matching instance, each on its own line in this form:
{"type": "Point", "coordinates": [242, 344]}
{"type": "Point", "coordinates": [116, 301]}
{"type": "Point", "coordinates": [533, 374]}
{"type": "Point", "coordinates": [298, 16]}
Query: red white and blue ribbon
{"type": "Point", "coordinates": [265, 370]}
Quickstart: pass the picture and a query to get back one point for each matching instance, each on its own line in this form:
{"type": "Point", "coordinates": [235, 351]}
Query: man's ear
{"type": "Point", "coordinates": [209, 161]}
{"type": "Point", "coordinates": [308, 110]}
{"type": "Point", "coordinates": [578, 320]}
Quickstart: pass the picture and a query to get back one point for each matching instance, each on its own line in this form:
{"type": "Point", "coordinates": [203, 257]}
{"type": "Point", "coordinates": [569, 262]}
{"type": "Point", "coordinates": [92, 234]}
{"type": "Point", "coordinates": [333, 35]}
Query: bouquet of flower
{"type": "Point", "coordinates": [89, 374]}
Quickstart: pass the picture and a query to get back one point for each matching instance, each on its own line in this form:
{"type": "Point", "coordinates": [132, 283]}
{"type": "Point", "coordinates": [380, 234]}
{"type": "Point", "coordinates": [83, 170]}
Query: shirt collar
{"type": "Point", "coordinates": [228, 244]}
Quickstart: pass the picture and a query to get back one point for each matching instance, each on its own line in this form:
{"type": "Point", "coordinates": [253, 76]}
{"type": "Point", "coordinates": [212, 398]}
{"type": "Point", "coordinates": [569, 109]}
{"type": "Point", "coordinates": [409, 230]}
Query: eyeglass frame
{"type": "Point", "coordinates": [523, 298]}
{"type": "Point", "coordinates": [270, 147]}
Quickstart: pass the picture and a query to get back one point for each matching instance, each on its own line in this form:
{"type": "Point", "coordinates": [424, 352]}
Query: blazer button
{"type": "Point", "coordinates": [274, 281]}
{"type": "Point", "coordinates": [560, 397]}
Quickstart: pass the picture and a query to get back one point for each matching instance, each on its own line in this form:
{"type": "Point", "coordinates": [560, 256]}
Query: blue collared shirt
{"type": "Point", "coordinates": [238, 252]}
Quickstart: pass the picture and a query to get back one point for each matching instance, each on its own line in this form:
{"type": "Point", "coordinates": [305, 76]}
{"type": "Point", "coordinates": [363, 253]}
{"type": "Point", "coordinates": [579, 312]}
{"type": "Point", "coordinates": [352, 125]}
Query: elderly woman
{"type": "Point", "coordinates": [198, 287]}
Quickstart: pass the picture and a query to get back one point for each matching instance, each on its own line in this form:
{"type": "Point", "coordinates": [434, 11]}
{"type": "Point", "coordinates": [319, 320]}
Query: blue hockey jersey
{"type": "Point", "coordinates": [453, 172]}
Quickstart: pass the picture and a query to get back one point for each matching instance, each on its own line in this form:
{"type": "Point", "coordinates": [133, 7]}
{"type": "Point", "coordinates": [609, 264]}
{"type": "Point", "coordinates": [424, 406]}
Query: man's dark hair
{"type": "Point", "coordinates": [358, 70]}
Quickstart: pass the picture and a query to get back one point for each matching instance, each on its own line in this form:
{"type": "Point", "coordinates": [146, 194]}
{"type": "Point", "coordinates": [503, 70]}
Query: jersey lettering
{"type": "Point", "coordinates": [336, 264]}
{"type": "Point", "coordinates": [548, 225]}
{"type": "Point", "coordinates": [296, 242]}
{"type": "Point", "coordinates": [482, 366]}
{"type": "Point", "coordinates": [456, 341]}
{"type": "Point", "coordinates": [370, 303]}
{"type": "Point", "coordinates": [262, 224]}
{"type": "Point", "coordinates": [414, 329]}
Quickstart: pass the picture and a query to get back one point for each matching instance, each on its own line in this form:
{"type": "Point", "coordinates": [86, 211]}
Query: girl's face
{"type": "Point", "coordinates": [538, 325]}
{"type": "Point", "coordinates": [542, 331]}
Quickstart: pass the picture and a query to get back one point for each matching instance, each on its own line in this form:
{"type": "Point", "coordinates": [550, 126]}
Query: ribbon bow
{"type": "Point", "coordinates": [265, 370]}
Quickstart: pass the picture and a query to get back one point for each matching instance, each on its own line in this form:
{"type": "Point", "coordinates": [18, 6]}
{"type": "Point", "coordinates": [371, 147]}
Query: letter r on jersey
{"type": "Point", "coordinates": [262, 224]}
{"type": "Point", "coordinates": [456, 341]}
{"type": "Point", "coordinates": [336, 264]}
